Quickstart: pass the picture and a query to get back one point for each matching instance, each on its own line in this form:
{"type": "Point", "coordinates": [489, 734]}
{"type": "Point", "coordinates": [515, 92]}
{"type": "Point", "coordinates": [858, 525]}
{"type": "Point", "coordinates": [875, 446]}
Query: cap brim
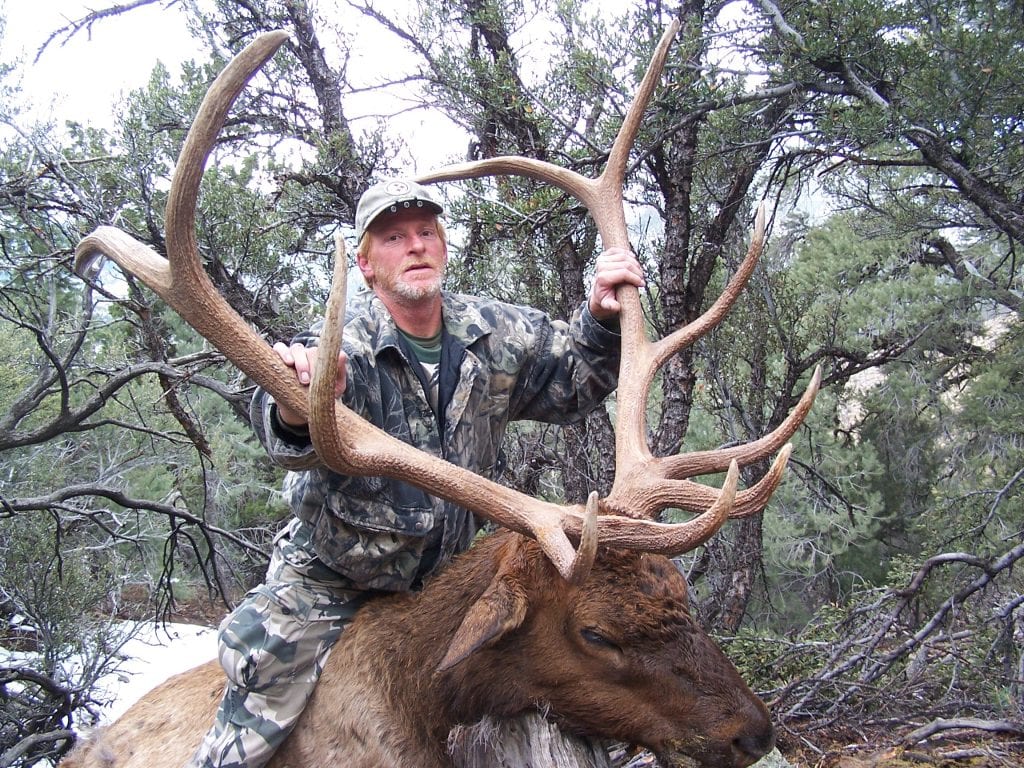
{"type": "Point", "coordinates": [397, 206]}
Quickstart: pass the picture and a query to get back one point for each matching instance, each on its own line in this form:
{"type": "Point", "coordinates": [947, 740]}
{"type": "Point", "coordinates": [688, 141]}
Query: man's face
{"type": "Point", "coordinates": [406, 256]}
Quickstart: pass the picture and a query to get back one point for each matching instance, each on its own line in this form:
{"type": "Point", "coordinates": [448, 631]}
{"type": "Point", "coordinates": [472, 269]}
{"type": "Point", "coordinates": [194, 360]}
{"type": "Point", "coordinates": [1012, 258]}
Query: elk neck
{"type": "Point", "coordinates": [411, 635]}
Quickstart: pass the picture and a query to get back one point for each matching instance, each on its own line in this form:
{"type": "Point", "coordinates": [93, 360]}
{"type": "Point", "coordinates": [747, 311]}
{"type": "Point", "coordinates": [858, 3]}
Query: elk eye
{"type": "Point", "coordinates": [594, 637]}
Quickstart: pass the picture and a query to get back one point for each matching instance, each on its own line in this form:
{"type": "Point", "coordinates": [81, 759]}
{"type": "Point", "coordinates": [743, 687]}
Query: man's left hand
{"type": "Point", "coordinates": [615, 267]}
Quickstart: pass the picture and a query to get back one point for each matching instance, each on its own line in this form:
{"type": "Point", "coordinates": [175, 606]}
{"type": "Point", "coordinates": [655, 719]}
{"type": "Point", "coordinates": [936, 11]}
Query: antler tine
{"type": "Point", "coordinates": [182, 250]}
{"type": "Point", "coordinates": [587, 550]}
{"type": "Point", "coordinates": [674, 538]}
{"type": "Point", "coordinates": [707, 462]}
{"type": "Point", "coordinates": [648, 491]}
{"type": "Point", "coordinates": [323, 413]}
{"type": "Point", "coordinates": [684, 337]}
{"type": "Point", "coordinates": [754, 499]}
{"type": "Point", "coordinates": [615, 169]}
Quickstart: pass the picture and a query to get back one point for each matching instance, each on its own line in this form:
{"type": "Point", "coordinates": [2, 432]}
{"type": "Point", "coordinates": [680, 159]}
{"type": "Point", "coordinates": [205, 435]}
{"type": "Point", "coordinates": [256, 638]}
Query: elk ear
{"type": "Point", "coordinates": [500, 609]}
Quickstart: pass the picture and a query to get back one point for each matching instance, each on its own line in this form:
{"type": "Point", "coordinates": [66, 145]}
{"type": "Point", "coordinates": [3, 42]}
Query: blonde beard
{"type": "Point", "coordinates": [408, 292]}
{"type": "Point", "coordinates": [417, 292]}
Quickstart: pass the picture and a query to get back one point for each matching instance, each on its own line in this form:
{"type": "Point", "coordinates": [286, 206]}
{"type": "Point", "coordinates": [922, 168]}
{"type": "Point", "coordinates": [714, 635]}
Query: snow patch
{"type": "Point", "coordinates": [155, 653]}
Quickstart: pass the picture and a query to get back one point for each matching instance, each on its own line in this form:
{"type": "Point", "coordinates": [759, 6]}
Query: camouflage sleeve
{"type": "Point", "coordinates": [572, 368]}
{"type": "Point", "coordinates": [288, 448]}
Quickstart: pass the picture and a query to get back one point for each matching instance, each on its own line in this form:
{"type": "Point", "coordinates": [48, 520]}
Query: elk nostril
{"type": "Point", "coordinates": [755, 746]}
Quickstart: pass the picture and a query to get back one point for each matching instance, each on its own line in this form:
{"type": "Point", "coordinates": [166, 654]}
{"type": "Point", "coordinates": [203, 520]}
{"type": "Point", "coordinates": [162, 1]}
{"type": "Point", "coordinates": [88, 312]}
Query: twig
{"type": "Point", "coordinates": [969, 723]}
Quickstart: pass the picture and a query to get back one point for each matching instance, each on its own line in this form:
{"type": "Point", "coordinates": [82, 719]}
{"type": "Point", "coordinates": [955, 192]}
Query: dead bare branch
{"type": "Point", "coordinates": [85, 23]}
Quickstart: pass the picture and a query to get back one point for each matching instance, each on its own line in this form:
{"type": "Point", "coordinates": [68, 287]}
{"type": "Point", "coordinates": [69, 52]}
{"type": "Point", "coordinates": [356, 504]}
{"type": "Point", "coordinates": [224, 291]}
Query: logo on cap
{"type": "Point", "coordinates": [396, 188]}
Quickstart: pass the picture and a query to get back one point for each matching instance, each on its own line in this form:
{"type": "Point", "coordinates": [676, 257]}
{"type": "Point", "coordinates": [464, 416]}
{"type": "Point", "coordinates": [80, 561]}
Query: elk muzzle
{"type": "Point", "coordinates": [742, 738]}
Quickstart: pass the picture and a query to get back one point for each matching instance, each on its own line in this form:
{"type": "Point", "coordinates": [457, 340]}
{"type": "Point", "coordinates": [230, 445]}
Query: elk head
{"type": "Point", "coordinates": [618, 656]}
{"type": "Point", "coordinates": [644, 485]}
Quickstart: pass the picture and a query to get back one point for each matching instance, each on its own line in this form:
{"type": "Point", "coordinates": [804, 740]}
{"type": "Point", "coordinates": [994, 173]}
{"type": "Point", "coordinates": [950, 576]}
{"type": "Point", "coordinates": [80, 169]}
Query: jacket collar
{"type": "Point", "coordinates": [462, 319]}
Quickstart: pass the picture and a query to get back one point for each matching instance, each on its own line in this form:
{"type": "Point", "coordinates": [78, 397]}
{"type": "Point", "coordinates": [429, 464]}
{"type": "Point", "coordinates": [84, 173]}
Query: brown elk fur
{"type": "Point", "coordinates": [499, 633]}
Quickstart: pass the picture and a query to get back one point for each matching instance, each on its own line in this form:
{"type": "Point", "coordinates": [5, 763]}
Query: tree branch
{"type": "Point", "coordinates": [85, 23]}
{"type": "Point", "coordinates": [36, 503]}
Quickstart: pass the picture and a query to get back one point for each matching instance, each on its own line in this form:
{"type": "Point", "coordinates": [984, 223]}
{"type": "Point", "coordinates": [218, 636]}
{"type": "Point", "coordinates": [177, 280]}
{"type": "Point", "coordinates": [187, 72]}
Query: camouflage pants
{"type": "Point", "coordinates": [273, 647]}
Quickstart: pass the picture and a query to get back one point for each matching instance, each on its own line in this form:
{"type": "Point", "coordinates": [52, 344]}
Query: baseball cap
{"type": "Point", "coordinates": [392, 195]}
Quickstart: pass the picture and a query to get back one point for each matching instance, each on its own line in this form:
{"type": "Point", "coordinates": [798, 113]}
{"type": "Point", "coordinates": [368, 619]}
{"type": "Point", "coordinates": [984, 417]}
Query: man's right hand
{"type": "Point", "coordinates": [303, 360]}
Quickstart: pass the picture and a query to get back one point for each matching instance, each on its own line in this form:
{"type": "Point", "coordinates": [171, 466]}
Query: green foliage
{"type": "Point", "coordinates": [770, 663]}
{"type": "Point", "coordinates": [57, 591]}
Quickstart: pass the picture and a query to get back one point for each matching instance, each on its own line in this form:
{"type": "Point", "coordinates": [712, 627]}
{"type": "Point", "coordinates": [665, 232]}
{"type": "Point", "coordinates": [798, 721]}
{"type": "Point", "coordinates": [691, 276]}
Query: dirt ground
{"type": "Point", "coordinates": [956, 748]}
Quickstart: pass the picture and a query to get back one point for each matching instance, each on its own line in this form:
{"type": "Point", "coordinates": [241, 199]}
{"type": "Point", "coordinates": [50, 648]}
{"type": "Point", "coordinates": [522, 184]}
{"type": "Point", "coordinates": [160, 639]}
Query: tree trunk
{"type": "Point", "coordinates": [733, 564]}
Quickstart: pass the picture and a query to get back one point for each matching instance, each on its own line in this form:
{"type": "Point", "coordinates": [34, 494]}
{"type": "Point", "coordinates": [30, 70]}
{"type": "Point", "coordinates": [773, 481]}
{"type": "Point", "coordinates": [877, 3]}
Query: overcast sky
{"type": "Point", "coordinates": [82, 78]}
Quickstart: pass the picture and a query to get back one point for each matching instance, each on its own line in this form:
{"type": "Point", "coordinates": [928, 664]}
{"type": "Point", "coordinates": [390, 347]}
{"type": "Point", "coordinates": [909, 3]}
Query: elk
{"type": "Point", "coordinates": [572, 609]}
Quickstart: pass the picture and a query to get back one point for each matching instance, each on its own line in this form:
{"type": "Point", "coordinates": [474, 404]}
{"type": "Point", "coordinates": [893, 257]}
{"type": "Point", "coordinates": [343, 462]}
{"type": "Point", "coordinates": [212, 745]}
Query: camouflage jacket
{"type": "Point", "coordinates": [503, 362]}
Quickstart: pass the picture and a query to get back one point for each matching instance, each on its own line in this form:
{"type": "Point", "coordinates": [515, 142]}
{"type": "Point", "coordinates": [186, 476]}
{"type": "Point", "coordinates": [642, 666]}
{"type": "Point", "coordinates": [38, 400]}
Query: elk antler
{"type": "Point", "coordinates": [350, 445]}
{"type": "Point", "coordinates": [645, 485]}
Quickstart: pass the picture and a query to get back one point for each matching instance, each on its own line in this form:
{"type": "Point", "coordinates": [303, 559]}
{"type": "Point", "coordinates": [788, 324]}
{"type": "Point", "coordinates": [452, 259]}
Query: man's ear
{"type": "Point", "coordinates": [364, 266]}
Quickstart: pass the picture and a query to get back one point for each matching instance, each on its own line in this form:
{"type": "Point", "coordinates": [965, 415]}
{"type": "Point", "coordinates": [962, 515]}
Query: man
{"type": "Point", "coordinates": [441, 371]}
